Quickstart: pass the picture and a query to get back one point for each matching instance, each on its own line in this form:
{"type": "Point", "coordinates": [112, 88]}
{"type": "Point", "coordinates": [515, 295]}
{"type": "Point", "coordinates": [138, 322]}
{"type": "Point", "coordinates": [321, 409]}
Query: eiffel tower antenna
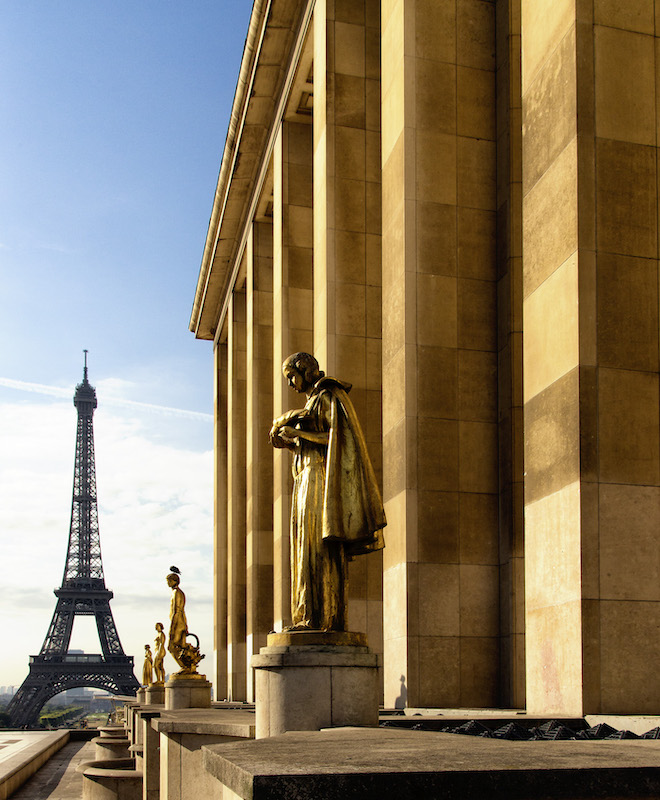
{"type": "Point", "coordinates": [83, 592]}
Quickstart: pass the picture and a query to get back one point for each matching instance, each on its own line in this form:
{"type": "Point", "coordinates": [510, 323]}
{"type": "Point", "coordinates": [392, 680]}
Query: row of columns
{"type": "Point", "coordinates": [308, 281]}
{"type": "Point", "coordinates": [440, 210]}
{"type": "Point", "coordinates": [380, 258]}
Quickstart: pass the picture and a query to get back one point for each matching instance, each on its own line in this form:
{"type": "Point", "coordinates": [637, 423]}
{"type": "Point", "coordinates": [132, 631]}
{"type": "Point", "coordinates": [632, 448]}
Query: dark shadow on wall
{"type": "Point", "coordinates": [400, 702]}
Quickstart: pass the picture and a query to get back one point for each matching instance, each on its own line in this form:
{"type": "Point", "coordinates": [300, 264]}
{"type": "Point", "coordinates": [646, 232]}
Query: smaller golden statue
{"type": "Point", "coordinates": [148, 667]}
{"type": "Point", "coordinates": [186, 655]}
{"type": "Point", "coordinates": [159, 644]}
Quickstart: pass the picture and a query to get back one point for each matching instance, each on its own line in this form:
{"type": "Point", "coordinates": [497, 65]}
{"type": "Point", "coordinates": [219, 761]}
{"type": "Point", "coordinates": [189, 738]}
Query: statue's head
{"type": "Point", "coordinates": [301, 371]}
{"type": "Point", "coordinates": [173, 580]}
{"type": "Point", "coordinates": [159, 626]}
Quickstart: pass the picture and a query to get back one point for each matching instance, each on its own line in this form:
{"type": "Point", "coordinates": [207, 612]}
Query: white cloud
{"type": "Point", "coordinates": [155, 509]}
{"type": "Point", "coordinates": [112, 390]}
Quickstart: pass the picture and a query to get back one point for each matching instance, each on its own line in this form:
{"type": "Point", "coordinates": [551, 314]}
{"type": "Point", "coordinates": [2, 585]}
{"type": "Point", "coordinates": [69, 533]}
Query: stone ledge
{"type": "Point", "coordinates": [315, 648]}
{"type": "Point", "coordinates": [150, 712]}
{"type": "Point", "coordinates": [206, 721]}
{"type": "Point", "coordinates": [108, 768]}
{"type": "Point", "coordinates": [32, 751]}
{"type": "Point", "coordinates": [318, 638]}
{"type": "Point", "coordinates": [349, 763]}
{"type": "Point", "coordinates": [312, 657]}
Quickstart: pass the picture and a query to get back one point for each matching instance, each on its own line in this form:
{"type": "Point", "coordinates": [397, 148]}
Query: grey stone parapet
{"type": "Point", "coordinates": [346, 763]}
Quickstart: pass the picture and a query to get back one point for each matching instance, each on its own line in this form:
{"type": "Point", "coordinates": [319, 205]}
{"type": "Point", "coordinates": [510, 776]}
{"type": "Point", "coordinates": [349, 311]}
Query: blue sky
{"type": "Point", "coordinates": [114, 117]}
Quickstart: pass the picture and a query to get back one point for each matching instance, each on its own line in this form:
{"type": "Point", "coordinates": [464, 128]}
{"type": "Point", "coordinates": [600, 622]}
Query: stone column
{"type": "Point", "coordinates": [219, 678]}
{"type": "Point", "coordinates": [292, 319]}
{"type": "Point", "coordinates": [440, 437]}
{"type": "Point", "coordinates": [236, 498]}
{"type": "Point", "coordinates": [259, 486]}
{"type": "Point", "coordinates": [347, 241]}
{"type": "Point", "coordinates": [590, 282]}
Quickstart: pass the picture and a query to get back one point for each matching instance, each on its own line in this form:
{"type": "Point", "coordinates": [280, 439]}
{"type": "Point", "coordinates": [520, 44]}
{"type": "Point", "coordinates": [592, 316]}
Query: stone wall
{"type": "Point", "coordinates": [453, 205]}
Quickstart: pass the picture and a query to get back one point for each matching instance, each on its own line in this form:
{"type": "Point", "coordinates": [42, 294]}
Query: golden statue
{"type": "Point", "coordinates": [159, 645]}
{"type": "Point", "coordinates": [148, 667]}
{"type": "Point", "coordinates": [186, 655]}
{"type": "Point", "coordinates": [336, 508]}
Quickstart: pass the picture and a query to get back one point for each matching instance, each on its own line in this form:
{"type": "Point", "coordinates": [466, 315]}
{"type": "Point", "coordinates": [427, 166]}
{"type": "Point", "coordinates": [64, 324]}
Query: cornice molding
{"type": "Point", "coordinates": [273, 44]}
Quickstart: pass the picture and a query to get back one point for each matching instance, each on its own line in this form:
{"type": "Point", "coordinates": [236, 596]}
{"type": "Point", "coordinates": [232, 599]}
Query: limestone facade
{"type": "Point", "coordinates": [454, 205]}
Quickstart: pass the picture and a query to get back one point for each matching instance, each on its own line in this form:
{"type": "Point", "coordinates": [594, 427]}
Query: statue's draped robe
{"type": "Point", "coordinates": [147, 669]}
{"type": "Point", "coordinates": [178, 623]}
{"type": "Point", "coordinates": [336, 510]}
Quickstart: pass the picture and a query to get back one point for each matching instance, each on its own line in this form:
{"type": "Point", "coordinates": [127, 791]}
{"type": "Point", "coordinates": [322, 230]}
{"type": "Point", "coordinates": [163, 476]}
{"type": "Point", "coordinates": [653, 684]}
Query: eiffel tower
{"type": "Point", "coordinates": [83, 592]}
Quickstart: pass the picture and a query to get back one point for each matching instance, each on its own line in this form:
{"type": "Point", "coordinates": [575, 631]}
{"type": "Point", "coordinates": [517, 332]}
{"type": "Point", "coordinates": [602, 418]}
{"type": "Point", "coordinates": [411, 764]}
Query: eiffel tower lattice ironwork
{"type": "Point", "coordinates": [83, 593]}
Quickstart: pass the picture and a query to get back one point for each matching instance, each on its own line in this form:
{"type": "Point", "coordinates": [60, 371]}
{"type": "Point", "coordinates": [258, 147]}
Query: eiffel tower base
{"type": "Point", "coordinates": [49, 676]}
{"type": "Point", "coordinates": [187, 693]}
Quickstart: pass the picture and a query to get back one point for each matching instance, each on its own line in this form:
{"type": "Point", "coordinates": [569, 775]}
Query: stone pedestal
{"type": "Point", "coordinates": [141, 695]}
{"type": "Point", "coordinates": [111, 747]}
{"type": "Point", "coordinates": [156, 694]}
{"type": "Point", "coordinates": [306, 681]}
{"type": "Point", "coordinates": [116, 779]}
{"type": "Point", "coordinates": [190, 691]}
{"type": "Point", "coordinates": [183, 737]}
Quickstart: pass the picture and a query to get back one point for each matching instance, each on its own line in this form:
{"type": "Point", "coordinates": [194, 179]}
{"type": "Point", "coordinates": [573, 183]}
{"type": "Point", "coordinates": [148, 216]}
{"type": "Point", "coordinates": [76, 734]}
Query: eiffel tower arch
{"type": "Point", "coordinates": [83, 593]}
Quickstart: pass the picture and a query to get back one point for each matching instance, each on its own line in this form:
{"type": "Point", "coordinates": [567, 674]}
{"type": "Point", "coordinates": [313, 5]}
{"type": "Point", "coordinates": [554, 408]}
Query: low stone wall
{"type": "Point", "coordinates": [17, 769]}
{"type": "Point", "coordinates": [347, 763]}
{"type": "Point", "coordinates": [113, 779]}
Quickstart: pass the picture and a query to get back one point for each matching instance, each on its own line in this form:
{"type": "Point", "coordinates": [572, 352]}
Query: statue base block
{"type": "Point", "coordinates": [305, 682]}
{"type": "Point", "coordinates": [141, 696]}
{"type": "Point", "coordinates": [187, 692]}
{"type": "Point", "coordinates": [156, 694]}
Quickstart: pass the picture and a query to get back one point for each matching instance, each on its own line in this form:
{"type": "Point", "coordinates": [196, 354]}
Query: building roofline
{"type": "Point", "coordinates": [265, 69]}
{"type": "Point", "coordinates": [241, 99]}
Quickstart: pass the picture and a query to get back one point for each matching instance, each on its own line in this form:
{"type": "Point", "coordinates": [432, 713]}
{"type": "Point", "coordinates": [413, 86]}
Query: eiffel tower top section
{"type": "Point", "coordinates": [84, 568]}
{"type": "Point", "coordinates": [85, 397]}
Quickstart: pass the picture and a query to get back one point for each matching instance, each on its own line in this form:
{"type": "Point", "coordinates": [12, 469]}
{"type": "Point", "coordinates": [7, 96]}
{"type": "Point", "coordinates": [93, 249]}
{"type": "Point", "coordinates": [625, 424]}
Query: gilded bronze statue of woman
{"type": "Point", "coordinates": [336, 508]}
{"type": "Point", "coordinates": [178, 623]}
{"type": "Point", "coordinates": [147, 667]}
{"type": "Point", "coordinates": [186, 655]}
{"type": "Point", "coordinates": [159, 646]}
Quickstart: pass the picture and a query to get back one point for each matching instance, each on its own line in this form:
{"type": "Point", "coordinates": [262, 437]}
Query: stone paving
{"type": "Point", "coordinates": [58, 779]}
{"type": "Point", "coordinates": [13, 744]}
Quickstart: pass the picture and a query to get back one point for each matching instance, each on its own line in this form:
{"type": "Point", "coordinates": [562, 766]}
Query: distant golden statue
{"type": "Point", "coordinates": [148, 668]}
{"type": "Point", "coordinates": [186, 655]}
{"type": "Point", "coordinates": [159, 655]}
{"type": "Point", "coordinates": [178, 622]}
{"type": "Point", "coordinates": [336, 508]}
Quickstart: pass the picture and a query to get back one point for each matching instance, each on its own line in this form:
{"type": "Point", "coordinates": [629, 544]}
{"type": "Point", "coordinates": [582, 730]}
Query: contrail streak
{"type": "Point", "coordinates": [56, 391]}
